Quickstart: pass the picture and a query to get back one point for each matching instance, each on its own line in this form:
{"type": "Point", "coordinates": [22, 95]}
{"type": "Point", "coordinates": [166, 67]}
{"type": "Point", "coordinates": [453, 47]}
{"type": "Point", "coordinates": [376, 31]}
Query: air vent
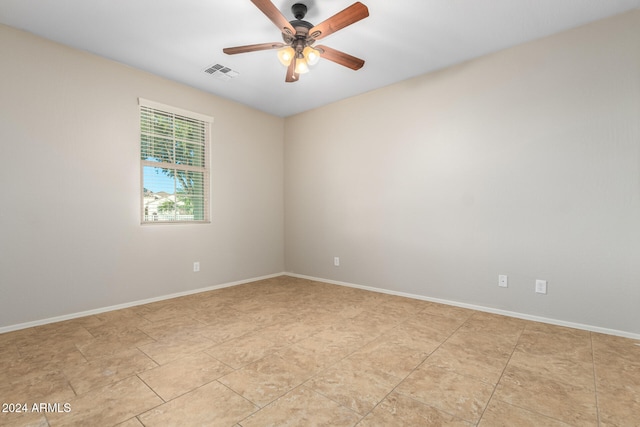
{"type": "Point", "coordinates": [221, 72]}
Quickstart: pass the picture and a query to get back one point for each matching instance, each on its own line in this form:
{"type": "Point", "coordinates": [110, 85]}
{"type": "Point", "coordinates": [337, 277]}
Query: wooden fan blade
{"type": "Point", "coordinates": [292, 76]}
{"type": "Point", "coordinates": [340, 57]}
{"type": "Point", "coordinates": [348, 16]}
{"type": "Point", "coordinates": [274, 15]}
{"type": "Point", "coordinates": [252, 48]}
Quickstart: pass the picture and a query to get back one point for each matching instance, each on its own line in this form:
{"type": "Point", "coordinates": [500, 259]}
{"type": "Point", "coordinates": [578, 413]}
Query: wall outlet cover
{"type": "Point", "coordinates": [503, 281]}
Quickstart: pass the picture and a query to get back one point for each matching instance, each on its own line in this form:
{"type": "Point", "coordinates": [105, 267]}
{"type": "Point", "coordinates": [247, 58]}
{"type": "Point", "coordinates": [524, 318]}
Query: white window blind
{"type": "Point", "coordinates": [174, 162]}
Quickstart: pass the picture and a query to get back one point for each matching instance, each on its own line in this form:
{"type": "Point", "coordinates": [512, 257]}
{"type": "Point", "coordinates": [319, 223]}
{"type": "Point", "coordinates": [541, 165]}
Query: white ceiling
{"type": "Point", "coordinates": [179, 39]}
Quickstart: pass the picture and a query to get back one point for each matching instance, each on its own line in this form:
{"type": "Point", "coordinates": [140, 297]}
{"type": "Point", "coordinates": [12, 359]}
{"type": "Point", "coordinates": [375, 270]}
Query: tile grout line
{"type": "Point", "coordinates": [501, 374]}
{"type": "Point", "coordinates": [150, 388]}
{"type": "Point", "coordinates": [416, 368]}
{"type": "Point", "coordinates": [260, 408]}
{"type": "Point", "coordinates": [329, 398]}
{"type": "Point", "coordinates": [529, 409]}
{"type": "Point", "coordinates": [328, 367]}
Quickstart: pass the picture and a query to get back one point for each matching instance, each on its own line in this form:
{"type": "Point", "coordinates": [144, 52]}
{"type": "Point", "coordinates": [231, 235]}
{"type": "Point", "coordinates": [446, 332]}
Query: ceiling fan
{"type": "Point", "coordinates": [298, 50]}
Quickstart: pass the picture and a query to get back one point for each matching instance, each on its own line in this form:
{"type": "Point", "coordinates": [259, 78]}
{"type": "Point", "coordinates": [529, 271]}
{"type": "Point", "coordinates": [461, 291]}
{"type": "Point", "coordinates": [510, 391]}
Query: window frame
{"type": "Point", "coordinates": [205, 170]}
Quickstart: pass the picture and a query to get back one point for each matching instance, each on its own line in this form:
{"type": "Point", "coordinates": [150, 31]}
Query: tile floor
{"type": "Point", "coordinates": [288, 351]}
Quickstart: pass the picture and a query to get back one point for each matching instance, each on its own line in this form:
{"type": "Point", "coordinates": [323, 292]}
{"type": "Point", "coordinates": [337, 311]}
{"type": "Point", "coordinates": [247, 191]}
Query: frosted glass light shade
{"type": "Point", "coordinates": [301, 66]}
{"type": "Point", "coordinates": [311, 55]}
{"type": "Point", "coordinates": [285, 55]}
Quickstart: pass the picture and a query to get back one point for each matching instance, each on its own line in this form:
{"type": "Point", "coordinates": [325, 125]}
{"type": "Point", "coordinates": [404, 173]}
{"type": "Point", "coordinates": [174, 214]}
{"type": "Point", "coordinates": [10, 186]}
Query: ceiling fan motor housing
{"type": "Point", "coordinates": [301, 26]}
{"type": "Point", "coordinates": [300, 23]}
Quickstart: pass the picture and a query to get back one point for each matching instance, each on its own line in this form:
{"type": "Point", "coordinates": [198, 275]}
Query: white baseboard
{"type": "Point", "coordinates": [334, 282]}
{"type": "Point", "coordinates": [523, 316]}
{"type": "Point", "coordinates": [25, 325]}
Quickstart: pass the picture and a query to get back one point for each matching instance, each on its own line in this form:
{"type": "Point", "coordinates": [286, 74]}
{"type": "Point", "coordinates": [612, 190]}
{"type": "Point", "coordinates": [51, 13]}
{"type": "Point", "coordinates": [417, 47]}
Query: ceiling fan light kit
{"type": "Point", "coordinates": [309, 55]}
{"type": "Point", "coordinates": [298, 52]}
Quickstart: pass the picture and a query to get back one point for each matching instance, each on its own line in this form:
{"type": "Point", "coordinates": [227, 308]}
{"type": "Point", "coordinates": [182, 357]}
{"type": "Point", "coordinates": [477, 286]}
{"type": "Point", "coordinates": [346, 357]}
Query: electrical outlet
{"type": "Point", "coordinates": [541, 286]}
{"type": "Point", "coordinates": [336, 261]}
{"type": "Point", "coordinates": [196, 267]}
{"type": "Point", "coordinates": [502, 281]}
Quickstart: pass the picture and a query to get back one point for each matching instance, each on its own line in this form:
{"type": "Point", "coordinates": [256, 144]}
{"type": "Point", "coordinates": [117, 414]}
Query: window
{"type": "Point", "coordinates": [174, 163]}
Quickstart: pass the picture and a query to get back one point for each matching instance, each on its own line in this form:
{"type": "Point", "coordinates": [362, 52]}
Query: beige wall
{"type": "Point", "coordinates": [525, 163]}
{"type": "Point", "coordinates": [70, 233]}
